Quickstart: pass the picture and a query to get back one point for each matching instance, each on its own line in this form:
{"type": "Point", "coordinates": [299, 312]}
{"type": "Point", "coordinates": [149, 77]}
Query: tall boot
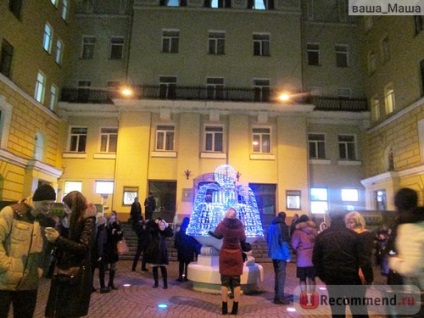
{"type": "Point", "coordinates": [235, 308]}
{"type": "Point", "coordinates": [111, 278]}
{"type": "Point", "coordinates": [224, 308]}
{"type": "Point", "coordinates": [155, 277]}
{"type": "Point", "coordinates": [164, 273]}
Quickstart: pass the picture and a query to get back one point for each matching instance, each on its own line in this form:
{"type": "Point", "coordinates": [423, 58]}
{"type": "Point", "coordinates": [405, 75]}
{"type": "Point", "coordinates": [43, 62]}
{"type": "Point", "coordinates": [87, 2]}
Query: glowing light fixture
{"type": "Point", "coordinates": [127, 285]}
{"type": "Point", "coordinates": [291, 309]}
{"type": "Point", "coordinates": [162, 306]}
{"type": "Point", "coordinates": [284, 97]}
{"type": "Point", "coordinates": [127, 91]}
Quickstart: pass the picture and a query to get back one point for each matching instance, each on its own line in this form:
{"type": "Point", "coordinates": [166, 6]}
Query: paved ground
{"type": "Point", "coordinates": [141, 300]}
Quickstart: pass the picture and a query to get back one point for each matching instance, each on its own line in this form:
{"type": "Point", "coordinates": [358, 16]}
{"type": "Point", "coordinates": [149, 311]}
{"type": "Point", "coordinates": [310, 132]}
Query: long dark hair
{"type": "Point", "coordinates": [76, 201]}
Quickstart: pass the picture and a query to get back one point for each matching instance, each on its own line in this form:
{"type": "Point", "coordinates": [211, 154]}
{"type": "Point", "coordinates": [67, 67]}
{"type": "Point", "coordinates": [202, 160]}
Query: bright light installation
{"type": "Point", "coordinates": [127, 285]}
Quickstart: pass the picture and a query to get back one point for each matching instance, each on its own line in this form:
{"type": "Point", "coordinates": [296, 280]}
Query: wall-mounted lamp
{"type": "Point", "coordinates": [187, 173]}
{"type": "Point", "coordinates": [238, 175]}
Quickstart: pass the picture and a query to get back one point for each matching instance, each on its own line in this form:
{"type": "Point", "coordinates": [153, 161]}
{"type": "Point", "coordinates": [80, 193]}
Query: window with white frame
{"type": "Point", "coordinates": [261, 44]}
{"type": "Point", "coordinates": [108, 139]}
{"type": "Point", "coordinates": [48, 38]}
{"type": "Point", "coordinates": [40, 87]}
{"type": "Point", "coordinates": [88, 43]}
{"type": "Point", "coordinates": [170, 41]}
{"type": "Point", "coordinates": [316, 144]}
{"type": "Point", "coordinates": [350, 195]}
{"type": "Point", "coordinates": [167, 87]}
{"type": "Point", "coordinates": [347, 147]}
{"type": "Point", "coordinates": [216, 42]}
{"type": "Point", "coordinates": [372, 62]}
{"type": "Point", "coordinates": [215, 87]}
{"type": "Point", "coordinates": [213, 138]}
{"type": "Point", "coordinates": [165, 135]}
{"type": "Point", "coordinates": [261, 140]}
{"type": "Point", "coordinates": [104, 187]}
{"type": "Point", "coordinates": [389, 98]}
{"type": "Point", "coordinates": [77, 139]}
{"type": "Point", "coordinates": [59, 51]}
{"type": "Point", "coordinates": [319, 200]}
{"type": "Point", "coordinates": [261, 88]}
{"type": "Point", "coordinates": [375, 108]}
{"type": "Point", "coordinates": [341, 55]}
{"type": "Point", "coordinates": [65, 9]}
{"type": "Point", "coordinates": [72, 186]}
{"type": "Point", "coordinates": [116, 48]}
{"type": "Point", "coordinates": [53, 96]}
{"type": "Point", "coordinates": [259, 4]}
{"type": "Point", "coordinates": [312, 51]}
{"type": "Point", "coordinates": [385, 49]}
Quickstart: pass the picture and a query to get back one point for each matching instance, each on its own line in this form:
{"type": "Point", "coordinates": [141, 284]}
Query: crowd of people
{"type": "Point", "coordinates": [70, 248]}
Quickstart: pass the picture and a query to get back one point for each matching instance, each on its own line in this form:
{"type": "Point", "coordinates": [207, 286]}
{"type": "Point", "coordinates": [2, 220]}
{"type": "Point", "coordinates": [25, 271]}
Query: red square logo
{"type": "Point", "coordinates": [309, 299]}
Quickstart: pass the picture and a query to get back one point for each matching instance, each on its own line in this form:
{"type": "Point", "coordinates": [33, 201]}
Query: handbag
{"type": "Point", "coordinates": [122, 247]}
{"type": "Point", "coordinates": [71, 275]}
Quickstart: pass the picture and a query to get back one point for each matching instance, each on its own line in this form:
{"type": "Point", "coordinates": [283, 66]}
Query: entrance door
{"type": "Point", "coordinates": [165, 194]}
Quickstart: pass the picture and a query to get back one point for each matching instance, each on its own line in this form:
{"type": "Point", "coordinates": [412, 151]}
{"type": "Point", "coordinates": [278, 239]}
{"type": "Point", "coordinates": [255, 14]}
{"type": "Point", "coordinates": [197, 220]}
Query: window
{"type": "Point", "coordinates": [116, 48]}
{"type": "Point", "coordinates": [258, 4]}
{"type": "Point", "coordinates": [40, 87]}
{"type": "Point", "coordinates": [48, 38]}
{"type": "Point", "coordinates": [53, 96]}
{"type": "Point", "coordinates": [104, 187]}
{"type": "Point", "coordinates": [385, 49]}
{"type": "Point", "coordinates": [344, 92]}
{"type": "Point", "coordinates": [380, 200]}
{"type": "Point", "coordinates": [165, 137]}
{"type": "Point", "coordinates": [261, 44]}
{"type": "Point", "coordinates": [167, 87]}
{"type": "Point", "coordinates": [266, 197]}
{"type": "Point", "coordinates": [172, 3]}
{"type": "Point", "coordinates": [216, 42]}
{"type": "Point", "coordinates": [83, 90]}
{"type": "Point", "coordinates": [59, 51]}
{"type": "Point", "coordinates": [214, 138]}
{"type": "Point", "coordinates": [312, 51]}
{"type": "Point", "coordinates": [261, 140]}
{"type": "Point", "coordinates": [261, 90]}
{"type": "Point", "coordinates": [375, 108]}
{"type": "Point", "coordinates": [72, 186]}
{"type": "Point", "coordinates": [88, 47]}
{"type": "Point", "coordinates": [215, 87]}
{"type": "Point", "coordinates": [341, 55]}
{"type": "Point", "coordinates": [55, 2]}
{"type": "Point", "coordinates": [372, 62]}
{"type": "Point", "coordinates": [419, 23]}
{"type": "Point", "coordinates": [319, 204]}
{"type": "Point", "coordinates": [108, 139]}
{"type": "Point", "coordinates": [350, 195]}
{"type": "Point", "coordinates": [65, 9]}
{"type": "Point", "coordinates": [15, 7]}
{"type": "Point", "coordinates": [130, 193]}
{"type": "Point", "coordinates": [170, 41]}
{"type": "Point", "coordinates": [78, 139]}
{"type": "Point", "coordinates": [347, 147]}
{"type": "Point", "coordinates": [6, 56]}
{"type": "Point", "coordinates": [389, 98]}
{"type": "Point", "coordinates": [316, 146]}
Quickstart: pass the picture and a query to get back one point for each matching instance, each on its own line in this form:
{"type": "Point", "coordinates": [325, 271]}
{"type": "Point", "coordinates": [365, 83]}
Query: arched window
{"type": "Point", "coordinates": [38, 147]}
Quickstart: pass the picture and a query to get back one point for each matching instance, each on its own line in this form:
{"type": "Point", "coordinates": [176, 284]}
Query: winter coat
{"type": "Point", "coordinates": [100, 245]}
{"type": "Point", "coordinates": [136, 212]}
{"type": "Point", "coordinates": [114, 235]}
{"type": "Point", "coordinates": [21, 246]}
{"type": "Point", "coordinates": [278, 240]}
{"type": "Point", "coordinates": [230, 255]}
{"type": "Point", "coordinates": [366, 239]}
{"type": "Point", "coordinates": [157, 250]}
{"type": "Point", "coordinates": [73, 300]}
{"type": "Point", "coordinates": [303, 240]}
{"type": "Point", "coordinates": [186, 246]}
{"type": "Point", "coordinates": [143, 235]}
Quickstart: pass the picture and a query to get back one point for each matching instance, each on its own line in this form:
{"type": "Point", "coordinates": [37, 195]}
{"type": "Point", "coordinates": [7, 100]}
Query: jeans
{"type": "Point", "coordinates": [280, 278]}
{"type": "Point", "coordinates": [23, 303]}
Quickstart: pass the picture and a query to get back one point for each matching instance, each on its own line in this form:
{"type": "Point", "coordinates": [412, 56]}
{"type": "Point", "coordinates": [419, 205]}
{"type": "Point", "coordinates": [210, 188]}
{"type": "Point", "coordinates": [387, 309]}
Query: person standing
{"type": "Point", "coordinates": [186, 249]}
{"type": "Point", "coordinates": [149, 206]}
{"type": "Point", "coordinates": [99, 249]}
{"type": "Point", "coordinates": [68, 299]}
{"type": "Point", "coordinates": [114, 235]}
{"type": "Point", "coordinates": [231, 230]}
{"type": "Point", "coordinates": [278, 239]}
{"type": "Point", "coordinates": [142, 243]}
{"type": "Point", "coordinates": [136, 213]}
{"type": "Point", "coordinates": [20, 264]}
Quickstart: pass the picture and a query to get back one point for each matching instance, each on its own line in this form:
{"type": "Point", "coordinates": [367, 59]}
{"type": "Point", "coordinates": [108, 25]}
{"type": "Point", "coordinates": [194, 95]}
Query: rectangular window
{"type": "Point", "coordinates": [40, 87]}
{"type": "Point", "coordinates": [385, 49]}
{"type": "Point", "coordinates": [104, 187]}
{"type": "Point", "coordinates": [215, 88]}
{"type": "Point", "coordinates": [312, 51]}
{"type": "Point", "coordinates": [72, 186]}
{"type": "Point", "coordinates": [108, 139]}
{"type": "Point", "coordinates": [319, 200]}
{"type": "Point", "coordinates": [59, 51]}
{"type": "Point", "coordinates": [375, 108]}
{"type": "Point", "coordinates": [261, 90]}
{"type": "Point", "coordinates": [261, 44]}
{"type": "Point", "coordinates": [261, 140]}
{"type": "Point", "coordinates": [216, 42]}
{"type": "Point", "coordinates": [165, 137]}
{"type": "Point", "coordinates": [316, 144]}
{"type": "Point", "coordinates": [15, 7]}
{"type": "Point", "coordinates": [116, 48]}
{"type": "Point", "coordinates": [351, 195]}
{"type": "Point", "coordinates": [372, 62]}
{"type": "Point", "coordinates": [347, 147]}
{"type": "Point", "coordinates": [65, 9]}
{"type": "Point", "coordinates": [341, 55]}
{"type": "Point", "coordinates": [167, 87]}
{"type": "Point", "coordinates": [83, 90]}
{"type": "Point", "coordinates": [6, 57]}
{"type": "Point", "coordinates": [48, 38]}
{"type": "Point", "coordinates": [419, 23]}
{"type": "Point", "coordinates": [214, 137]}
{"type": "Point", "coordinates": [389, 98]}
{"type": "Point", "coordinates": [88, 43]}
{"type": "Point", "coordinates": [53, 96]}
{"type": "Point", "coordinates": [78, 139]}
{"type": "Point", "coordinates": [170, 41]}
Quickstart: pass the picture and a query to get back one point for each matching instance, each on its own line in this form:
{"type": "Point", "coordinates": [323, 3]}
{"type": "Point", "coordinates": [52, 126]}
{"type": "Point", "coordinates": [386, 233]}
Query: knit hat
{"type": "Point", "coordinates": [44, 192]}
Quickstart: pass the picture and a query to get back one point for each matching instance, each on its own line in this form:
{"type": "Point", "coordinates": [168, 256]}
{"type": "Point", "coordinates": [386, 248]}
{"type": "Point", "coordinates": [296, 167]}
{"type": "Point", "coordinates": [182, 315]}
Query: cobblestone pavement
{"type": "Point", "coordinates": [141, 300]}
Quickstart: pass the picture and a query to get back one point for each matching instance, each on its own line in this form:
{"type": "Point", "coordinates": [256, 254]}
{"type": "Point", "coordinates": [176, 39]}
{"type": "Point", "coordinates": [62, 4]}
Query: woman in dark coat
{"type": "Point", "coordinates": [186, 249]}
{"type": "Point", "coordinates": [157, 251]}
{"type": "Point", "coordinates": [114, 235]}
{"type": "Point", "coordinates": [230, 257]}
{"type": "Point", "coordinates": [66, 300]}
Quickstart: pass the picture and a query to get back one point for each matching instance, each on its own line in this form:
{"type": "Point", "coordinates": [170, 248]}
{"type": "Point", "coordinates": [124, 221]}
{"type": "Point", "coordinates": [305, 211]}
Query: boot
{"type": "Point", "coordinates": [224, 308]}
{"type": "Point", "coordinates": [155, 277]}
{"type": "Point", "coordinates": [164, 273]}
{"type": "Point", "coordinates": [111, 278]}
{"type": "Point", "coordinates": [143, 266]}
{"type": "Point", "coordinates": [235, 308]}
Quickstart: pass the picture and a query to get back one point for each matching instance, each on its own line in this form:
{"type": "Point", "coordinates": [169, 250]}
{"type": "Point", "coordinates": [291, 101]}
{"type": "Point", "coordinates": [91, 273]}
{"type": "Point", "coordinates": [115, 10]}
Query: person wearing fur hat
{"type": "Point", "coordinates": [21, 264]}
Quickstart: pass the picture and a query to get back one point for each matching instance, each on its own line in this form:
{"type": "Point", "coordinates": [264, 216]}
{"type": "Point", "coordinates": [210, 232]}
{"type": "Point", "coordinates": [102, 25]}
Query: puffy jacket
{"type": "Point", "coordinates": [278, 240]}
{"type": "Point", "coordinates": [303, 240]}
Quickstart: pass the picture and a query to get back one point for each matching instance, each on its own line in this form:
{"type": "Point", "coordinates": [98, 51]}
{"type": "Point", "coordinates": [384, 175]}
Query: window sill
{"type": "Point", "coordinates": [255, 156]}
{"type": "Point", "coordinates": [349, 162]}
{"type": "Point", "coordinates": [164, 154]}
{"type": "Point", "coordinates": [320, 161]}
{"type": "Point", "coordinates": [75, 155]}
{"type": "Point", "coordinates": [213, 155]}
{"type": "Point", "coordinates": [104, 156]}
